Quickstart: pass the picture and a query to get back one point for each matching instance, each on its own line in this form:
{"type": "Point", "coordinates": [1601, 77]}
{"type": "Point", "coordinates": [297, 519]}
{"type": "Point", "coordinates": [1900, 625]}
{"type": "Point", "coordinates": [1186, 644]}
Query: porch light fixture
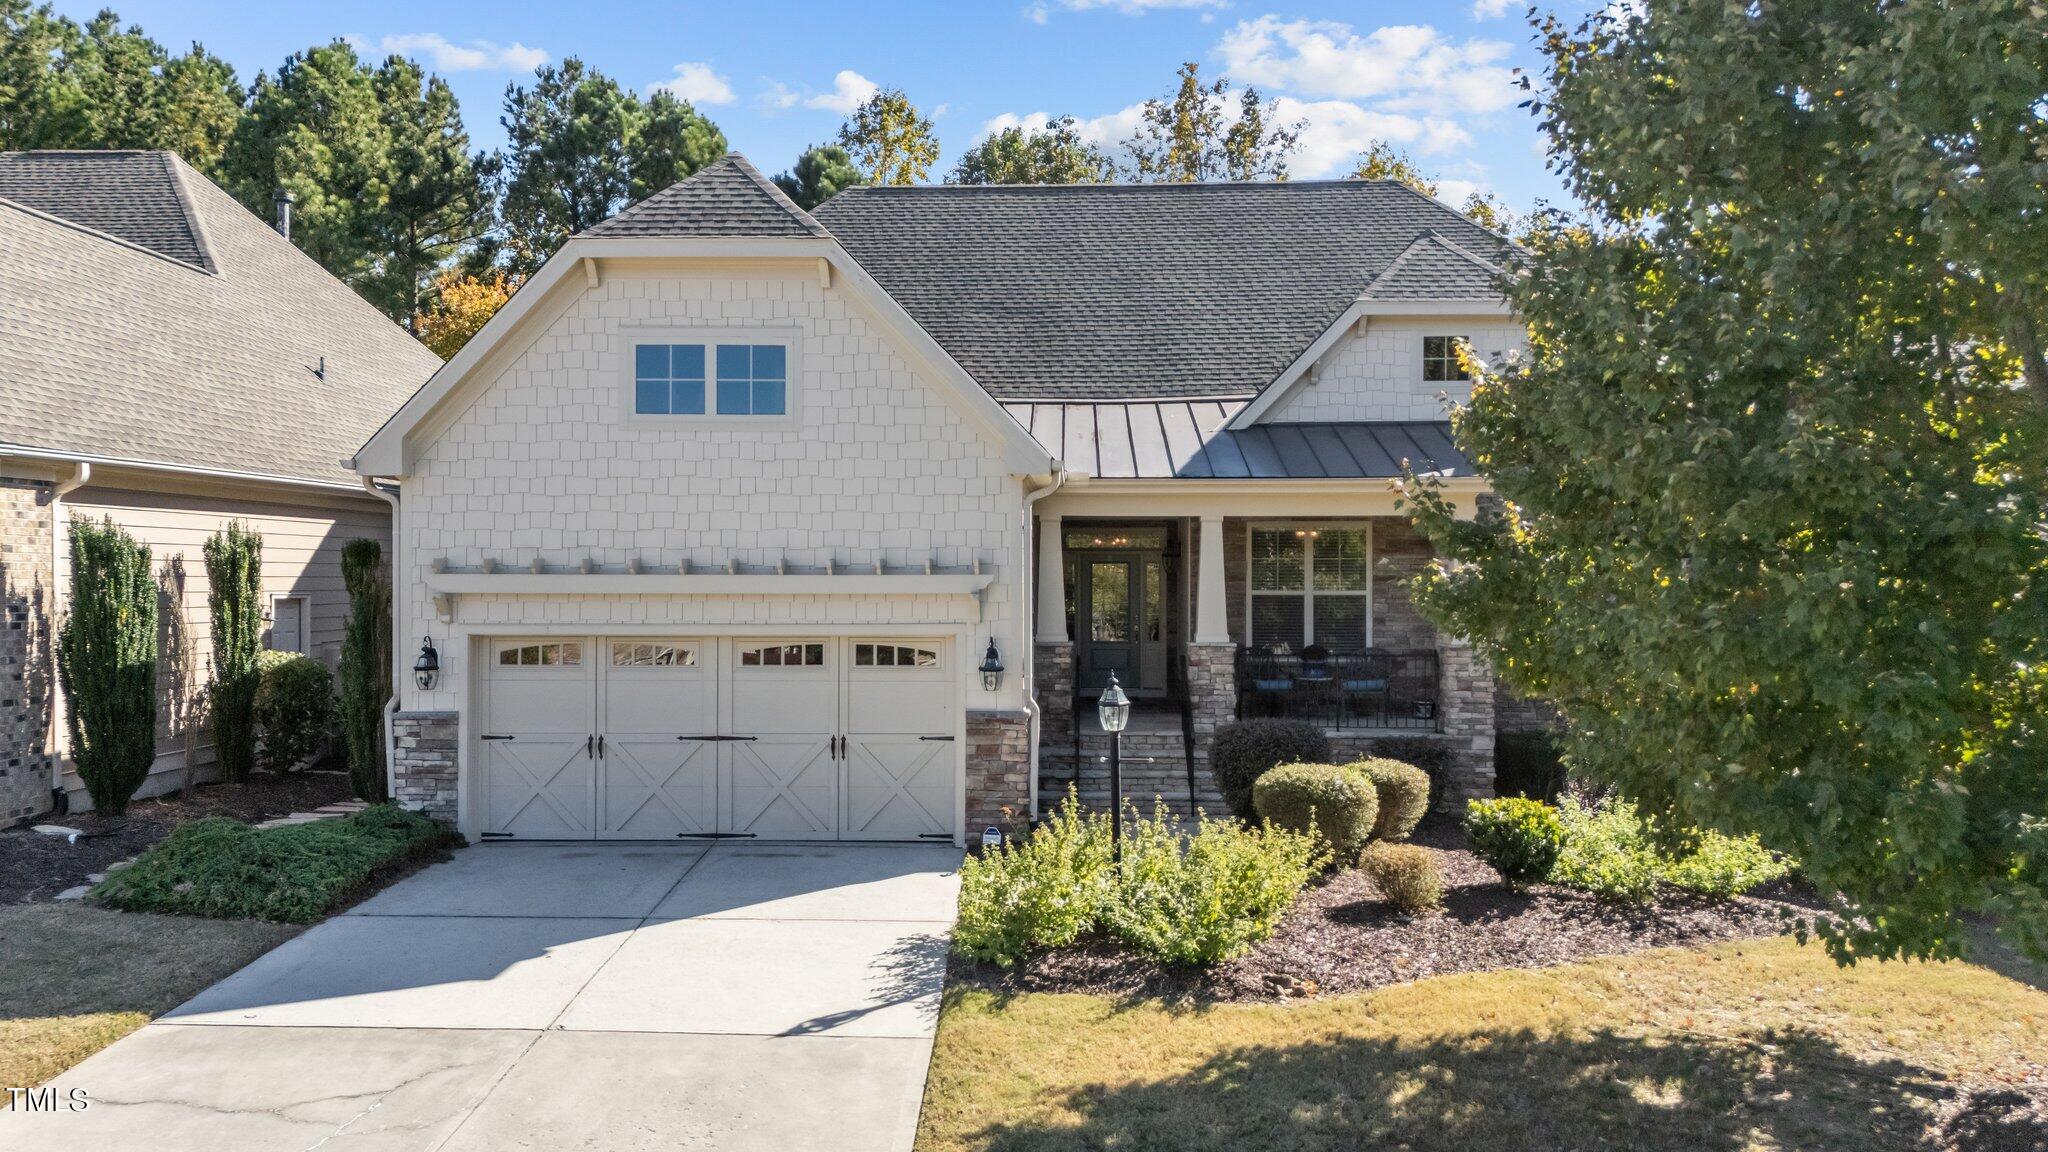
{"type": "Point", "coordinates": [428, 666]}
{"type": "Point", "coordinates": [1113, 708]}
{"type": "Point", "coordinates": [991, 668]}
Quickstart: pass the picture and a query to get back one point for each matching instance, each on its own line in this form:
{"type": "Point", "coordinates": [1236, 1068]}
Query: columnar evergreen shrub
{"type": "Point", "coordinates": [106, 659]}
{"type": "Point", "coordinates": [294, 709]}
{"type": "Point", "coordinates": [365, 666]}
{"type": "Point", "coordinates": [1240, 753]}
{"type": "Point", "coordinates": [234, 598]}
{"type": "Point", "coordinates": [1336, 805]}
{"type": "Point", "coordinates": [1404, 796]}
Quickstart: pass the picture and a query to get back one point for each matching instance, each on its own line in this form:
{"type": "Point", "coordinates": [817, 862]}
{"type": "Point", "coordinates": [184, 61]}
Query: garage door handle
{"type": "Point", "coordinates": [589, 746]}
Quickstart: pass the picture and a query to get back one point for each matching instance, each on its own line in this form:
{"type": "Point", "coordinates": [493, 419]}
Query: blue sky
{"type": "Point", "coordinates": [1432, 78]}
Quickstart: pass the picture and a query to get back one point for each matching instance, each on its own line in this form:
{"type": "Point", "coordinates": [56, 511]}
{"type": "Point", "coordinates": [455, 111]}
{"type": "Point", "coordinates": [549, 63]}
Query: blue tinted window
{"type": "Point", "coordinates": [752, 380]}
{"type": "Point", "coordinates": [668, 379]}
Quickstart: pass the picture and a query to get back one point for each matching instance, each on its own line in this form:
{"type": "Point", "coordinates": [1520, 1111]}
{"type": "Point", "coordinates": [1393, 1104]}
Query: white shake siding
{"type": "Point", "coordinates": [1378, 375]}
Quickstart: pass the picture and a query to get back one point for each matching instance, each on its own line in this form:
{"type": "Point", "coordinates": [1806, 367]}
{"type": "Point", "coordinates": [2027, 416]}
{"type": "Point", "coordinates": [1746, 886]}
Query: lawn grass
{"type": "Point", "coordinates": [1761, 1044]}
{"type": "Point", "coordinates": [75, 979]}
{"type": "Point", "coordinates": [292, 874]}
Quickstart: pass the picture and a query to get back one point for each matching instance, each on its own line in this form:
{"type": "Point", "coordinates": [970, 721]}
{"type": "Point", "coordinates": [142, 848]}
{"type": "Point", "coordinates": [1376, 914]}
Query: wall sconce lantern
{"type": "Point", "coordinates": [428, 666]}
{"type": "Point", "coordinates": [991, 668]}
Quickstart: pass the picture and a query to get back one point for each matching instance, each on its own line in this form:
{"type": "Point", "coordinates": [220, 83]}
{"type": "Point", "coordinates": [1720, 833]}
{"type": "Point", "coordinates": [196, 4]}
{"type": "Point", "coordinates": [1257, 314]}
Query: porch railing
{"type": "Point", "coordinates": [1373, 689]}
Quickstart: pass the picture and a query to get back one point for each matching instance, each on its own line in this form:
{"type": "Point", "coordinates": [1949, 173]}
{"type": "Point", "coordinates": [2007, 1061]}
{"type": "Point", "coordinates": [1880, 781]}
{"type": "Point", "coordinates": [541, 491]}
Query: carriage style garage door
{"type": "Point", "coordinates": [643, 738]}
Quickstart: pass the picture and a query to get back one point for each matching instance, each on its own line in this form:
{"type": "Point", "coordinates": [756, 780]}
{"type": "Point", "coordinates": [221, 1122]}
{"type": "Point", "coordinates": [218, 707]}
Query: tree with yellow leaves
{"type": "Point", "coordinates": [462, 304]}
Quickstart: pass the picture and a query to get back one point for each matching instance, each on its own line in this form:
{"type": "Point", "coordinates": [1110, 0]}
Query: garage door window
{"type": "Point", "coordinates": [893, 656]}
{"type": "Point", "coordinates": [783, 656]}
{"type": "Point", "coordinates": [653, 656]}
{"type": "Point", "coordinates": [566, 655]}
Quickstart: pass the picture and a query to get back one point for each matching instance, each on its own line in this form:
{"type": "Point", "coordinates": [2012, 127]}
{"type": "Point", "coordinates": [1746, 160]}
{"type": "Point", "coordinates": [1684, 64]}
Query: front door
{"type": "Point", "coordinates": [1108, 599]}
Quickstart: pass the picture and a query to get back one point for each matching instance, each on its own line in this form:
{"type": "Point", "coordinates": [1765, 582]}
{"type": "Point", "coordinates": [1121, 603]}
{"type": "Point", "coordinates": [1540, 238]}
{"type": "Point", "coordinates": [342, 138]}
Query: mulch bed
{"type": "Point", "coordinates": [1341, 936]}
{"type": "Point", "coordinates": [36, 867]}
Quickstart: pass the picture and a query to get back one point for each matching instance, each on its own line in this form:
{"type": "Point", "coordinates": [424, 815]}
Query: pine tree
{"type": "Point", "coordinates": [672, 141]}
{"type": "Point", "coordinates": [569, 166]}
{"type": "Point", "coordinates": [106, 659]}
{"type": "Point", "coordinates": [820, 174]}
{"type": "Point", "coordinates": [440, 199]}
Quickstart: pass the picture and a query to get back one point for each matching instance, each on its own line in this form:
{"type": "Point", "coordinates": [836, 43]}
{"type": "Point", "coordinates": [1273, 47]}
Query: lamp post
{"type": "Point", "coordinates": [1113, 708]}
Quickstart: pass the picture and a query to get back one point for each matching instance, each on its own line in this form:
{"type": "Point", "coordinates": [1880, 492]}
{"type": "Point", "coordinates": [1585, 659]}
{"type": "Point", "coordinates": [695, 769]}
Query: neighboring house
{"type": "Point", "coordinates": [712, 527]}
{"type": "Point", "coordinates": [168, 359]}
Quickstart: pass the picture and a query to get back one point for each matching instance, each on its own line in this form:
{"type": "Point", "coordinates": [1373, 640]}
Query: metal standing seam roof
{"type": "Point", "coordinates": [1188, 440]}
{"type": "Point", "coordinates": [150, 318]}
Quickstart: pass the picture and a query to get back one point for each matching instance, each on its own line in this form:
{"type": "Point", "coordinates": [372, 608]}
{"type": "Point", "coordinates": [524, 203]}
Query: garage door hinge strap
{"type": "Point", "coordinates": [718, 739]}
{"type": "Point", "coordinates": [947, 739]}
{"type": "Point", "coordinates": [501, 737]}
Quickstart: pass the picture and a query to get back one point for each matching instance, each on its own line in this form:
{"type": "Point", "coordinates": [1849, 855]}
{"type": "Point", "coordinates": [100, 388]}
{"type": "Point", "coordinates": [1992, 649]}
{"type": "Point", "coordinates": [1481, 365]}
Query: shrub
{"type": "Point", "coordinates": [1432, 756]}
{"type": "Point", "coordinates": [1240, 753]}
{"type": "Point", "coordinates": [1519, 838]}
{"type": "Point", "coordinates": [365, 666]}
{"type": "Point", "coordinates": [1607, 852]}
{"type": "Point", "coordinates": [1336, 805]}
{"type": "Point", "coordinates": [234, 600]}
{"type": "Point", "coordinates": [1045, 892]}
{"type": "Point", "coordinates": [1197, 899]}
{"type": "Point", "coordinates": [294, 709]}
{"type": "Point", "coordinates": [1404, 796]}
{"type": "Point", "coordinates": [1528, 764]}
{"type": "Point", "coordinates": [225, 869]}
{"type": "Point", "coordinates": [106, 659]}
{"type": "Point", "coordinates": [1724, 866]}
{"type": "Point", "coordinates": [1406, 874]}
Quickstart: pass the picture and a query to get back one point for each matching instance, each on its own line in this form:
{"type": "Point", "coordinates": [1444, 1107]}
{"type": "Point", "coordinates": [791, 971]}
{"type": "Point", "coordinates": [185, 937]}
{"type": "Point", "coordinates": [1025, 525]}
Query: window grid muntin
{"type": "Point", "coordinates": [652, 654]}
{"type": "Point", "coordinates": [796, 655]}
{"type": "Point", "coordinates": [872, 655]}
{"type": "Point", "coordinates": [669, 379]}
{"type": "Point", "coordinates": [753, 379]}
{"type": "Point", "coordinates": [1440, 361]}
{"type": "Point", "coordinates": [552, 654]}
{"type": "Point", "coordinates": [1306, 593]}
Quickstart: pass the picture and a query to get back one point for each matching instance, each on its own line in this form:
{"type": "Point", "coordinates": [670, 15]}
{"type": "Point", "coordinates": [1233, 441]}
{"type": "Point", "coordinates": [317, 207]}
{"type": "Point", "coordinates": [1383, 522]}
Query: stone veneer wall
{"type": "Point", "coordinates": [1212, 694]}
{"type": "Point", "coordinates": [1053, 685]}
{"type": "Point", "coordinates": [1465, 706]}
{"type": "Point", "coordinates": [1513, 712]}
{"type": "Point", "coordinates": [998, 773]}
{"type": "Point", "coordinates": [429, 758]}
{"type": "Point", "coordinates": [27, 678]}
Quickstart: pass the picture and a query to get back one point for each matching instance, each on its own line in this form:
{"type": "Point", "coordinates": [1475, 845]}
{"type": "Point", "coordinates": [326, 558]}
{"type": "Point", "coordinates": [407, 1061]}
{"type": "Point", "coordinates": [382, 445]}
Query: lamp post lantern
{"type": "Point", "coordinates": [1113, 708]}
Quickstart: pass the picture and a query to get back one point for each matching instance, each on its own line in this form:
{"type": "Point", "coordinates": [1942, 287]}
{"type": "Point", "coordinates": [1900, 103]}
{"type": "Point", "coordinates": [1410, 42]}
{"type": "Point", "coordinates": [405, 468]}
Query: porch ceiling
{"type": "Point", "coordinates": [1188, 440]}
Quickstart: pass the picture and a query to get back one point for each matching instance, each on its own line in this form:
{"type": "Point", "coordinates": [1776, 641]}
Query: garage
{"type": "Point", "coordinates": [665, 738]}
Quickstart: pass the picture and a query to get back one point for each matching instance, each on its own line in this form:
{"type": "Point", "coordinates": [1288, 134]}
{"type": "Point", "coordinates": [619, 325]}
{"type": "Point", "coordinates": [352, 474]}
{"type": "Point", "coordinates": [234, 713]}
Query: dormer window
{"type": "Point", "coordinates": [1440, 359]}
{"type": "Point", "coordinates": [746, 377]}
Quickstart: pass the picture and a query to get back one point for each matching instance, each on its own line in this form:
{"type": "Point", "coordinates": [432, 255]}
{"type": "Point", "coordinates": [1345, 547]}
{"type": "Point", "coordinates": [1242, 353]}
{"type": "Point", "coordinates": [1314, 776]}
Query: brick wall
{"type": "Point", "coordinates": [429, 759]}
{"type": "Point", "coordinates": [998, 772]}
{"type": "Point", "coordinates": [27, 671]}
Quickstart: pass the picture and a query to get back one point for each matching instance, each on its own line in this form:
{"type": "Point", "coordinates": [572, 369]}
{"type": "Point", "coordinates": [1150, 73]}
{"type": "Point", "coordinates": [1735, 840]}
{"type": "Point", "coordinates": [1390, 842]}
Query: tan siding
{"type": "Point", "coordinates": [302, 546]}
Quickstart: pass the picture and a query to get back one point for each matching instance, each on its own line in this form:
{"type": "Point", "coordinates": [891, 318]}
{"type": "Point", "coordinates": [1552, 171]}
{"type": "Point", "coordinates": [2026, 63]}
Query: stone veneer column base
{"type": "Point", "coordinates": [27, 671]}
{"type": "Point", "coordinates": [1465, 705]}
{"type": "Point", "coordinates": [1212, 694]}
{"type": "Point", "coordinates": [1052, 677]}
{"type": "Point", "coordinates": [998, 773]}
{"type": "Point", "coordinates": [429, 760]}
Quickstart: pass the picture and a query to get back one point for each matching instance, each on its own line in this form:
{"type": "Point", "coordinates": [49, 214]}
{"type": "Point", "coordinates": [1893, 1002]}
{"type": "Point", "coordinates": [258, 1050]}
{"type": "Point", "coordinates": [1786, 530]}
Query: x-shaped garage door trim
{"type": "Point", "coordinates": [784, 786]}
{"type": "Point", "coordinates": [622, 752]}
{"type": "Point", "coordinates": [898, 785]}
{"type": "Point", "coordinates": [509, 755]}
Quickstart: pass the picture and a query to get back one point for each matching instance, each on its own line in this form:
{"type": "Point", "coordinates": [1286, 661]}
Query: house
{"type": "Point", "coordinates": [744, 521]}
{"type": "Point", "coordinates": [168, 359]}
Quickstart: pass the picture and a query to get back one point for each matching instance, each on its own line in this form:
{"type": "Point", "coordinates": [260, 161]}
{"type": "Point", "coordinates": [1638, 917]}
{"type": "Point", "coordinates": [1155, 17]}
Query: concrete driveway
{"type": "Point", "coordinates": [559, 997]}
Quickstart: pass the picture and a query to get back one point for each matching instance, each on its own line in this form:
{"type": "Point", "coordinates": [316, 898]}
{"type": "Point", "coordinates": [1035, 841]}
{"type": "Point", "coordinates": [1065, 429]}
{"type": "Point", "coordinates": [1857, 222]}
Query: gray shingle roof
{"type": "Point", "coordinates": [1143, 291]}
{"type": "Point", "coordinates": [1434, 268]}
{"type": "Point", "coordinates": [265, 365]}
{"type": "Point", "coordinates": [727, 198]}
{"type": "Point", "coordinates": [1187, 439]}
{"type": "Point", "coordinates": [132, 195]}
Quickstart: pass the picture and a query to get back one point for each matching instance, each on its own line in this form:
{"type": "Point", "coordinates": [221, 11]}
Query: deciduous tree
{"type": "Point", "coordinates": [889, 139]}
{"type": "Point", "coordinates": [1383, 161]}
{"type": "Point", "coordinates": [1187, 137]}
{"type": "Point", "coordinates": [463, 302]}
{"type": "Point", "coordinates": [1055, 154]}
{"type": "Point", "coordinates": [1774, 465]}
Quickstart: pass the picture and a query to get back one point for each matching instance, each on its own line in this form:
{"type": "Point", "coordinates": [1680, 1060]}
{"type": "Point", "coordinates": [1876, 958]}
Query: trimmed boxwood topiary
{"type": "Point", "coordinates": [1339, 804]}
{"type": "Point", "coordinates": [294, 709]}
{"type": "Point", "coordinates": [1240, 753]}
{"type": "Point", "coordinates": [1404, 796]}
{"type": "Point", "coordinates": [1406, 874]}
{"type": "Point", "coordinates": [1521, 839]}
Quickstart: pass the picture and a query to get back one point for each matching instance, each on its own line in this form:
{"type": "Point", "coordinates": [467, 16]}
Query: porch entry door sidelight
{"type": "Point", "coordinates": [1119, 627]}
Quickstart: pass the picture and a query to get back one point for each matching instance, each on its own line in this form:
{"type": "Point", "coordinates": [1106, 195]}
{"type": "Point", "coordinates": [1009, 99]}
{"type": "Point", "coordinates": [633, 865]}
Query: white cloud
{"type": "Point", "coordinates": [1334, 132]}
{"type": "Point", "coordinates": [696, 82]}
{"type": "Point", "coordinates": [1490, 9]}
{"type": "Point", "coordinates": [1412, 67]}
{"type": "Point", "coordinates": [778, 96]}
{"type": "Point", "coordinates": [447, 56]}
{"type": "Point", "coordinates": [850, 90]}
{"type": "Point", "coordinates": [1107, 131]}
{"type": "Point", "coordinates": [1456, 191]}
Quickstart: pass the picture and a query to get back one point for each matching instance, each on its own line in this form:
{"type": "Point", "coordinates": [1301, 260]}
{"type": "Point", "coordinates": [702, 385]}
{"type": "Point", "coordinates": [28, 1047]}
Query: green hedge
{"type": "Point", "coordinates": [1404, 796]}
{"type": "Point", "coordinates": [1240, 753]}
{"type": "Point", "coordinates": [106, 659]}
{"type": "Point", "coordinates": [227, 870]}
{"type": "Point", "coordinates": [294, 709]}
{"type": "Point", "coordinates": [1337, 805]}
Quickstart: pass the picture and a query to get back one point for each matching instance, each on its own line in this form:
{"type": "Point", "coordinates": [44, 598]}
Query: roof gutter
{"type": "Point", "coordinates": [31, 453]}
{"type": "Point", "coordinates": [1027, 629]}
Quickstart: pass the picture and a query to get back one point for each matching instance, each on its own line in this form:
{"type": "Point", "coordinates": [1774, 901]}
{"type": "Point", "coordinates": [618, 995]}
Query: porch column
{"type": "Point", "coordinates": [1052, 579]}
{"type": "Point", "coordinates": [1212, 617]}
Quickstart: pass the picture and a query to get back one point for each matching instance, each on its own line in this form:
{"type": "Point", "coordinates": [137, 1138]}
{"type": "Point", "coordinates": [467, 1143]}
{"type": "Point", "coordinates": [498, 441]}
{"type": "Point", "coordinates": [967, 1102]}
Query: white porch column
{"type": "Point", "coordinates": [1212, 619]}
{"type": "Point", "coordinates": [1052, 580]}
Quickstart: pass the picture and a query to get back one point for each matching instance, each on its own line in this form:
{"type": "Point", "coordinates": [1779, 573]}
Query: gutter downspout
{"type": "Point", "coordinates": [80, 476]}
{"type": "Point", "coordinates": [397, 672]}
{"type": "Point", "coordinates": [1029, 627]}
